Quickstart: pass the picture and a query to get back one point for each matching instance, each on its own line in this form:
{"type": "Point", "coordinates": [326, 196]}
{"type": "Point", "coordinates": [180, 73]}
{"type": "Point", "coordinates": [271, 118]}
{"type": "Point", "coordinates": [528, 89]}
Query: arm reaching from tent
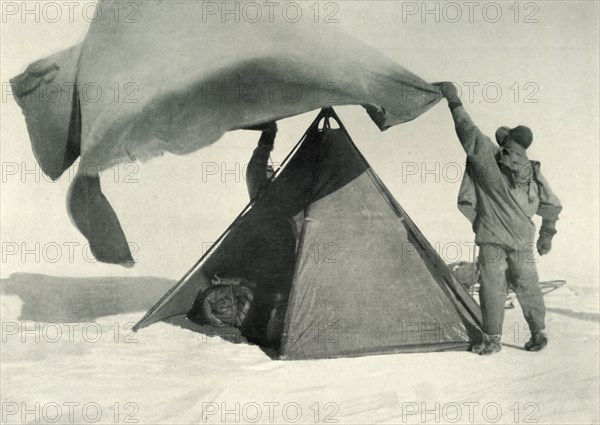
{"type": "Point", "coordinates": [257, 172]}
{"type": "Point", "coordinates": [476, 144]}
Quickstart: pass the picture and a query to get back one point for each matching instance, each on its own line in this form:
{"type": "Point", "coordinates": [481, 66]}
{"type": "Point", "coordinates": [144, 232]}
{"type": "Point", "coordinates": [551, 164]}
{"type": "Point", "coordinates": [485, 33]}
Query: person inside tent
{"type": "Point", "coordinates": [507, 190]}
{"type": "Point", "coordinates": [256, 302]}
{"type": "Point", "coordinates": [272, 247]}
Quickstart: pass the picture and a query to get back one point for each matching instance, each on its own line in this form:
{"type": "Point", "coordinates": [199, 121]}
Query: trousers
{"type": "Point", "coordinates": [500, 267]}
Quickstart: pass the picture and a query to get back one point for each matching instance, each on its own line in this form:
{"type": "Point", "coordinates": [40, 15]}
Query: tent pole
{"type": "Point", "coordinates": [295, 148]}
{"type": "Point", "coordinates": [325, 113]}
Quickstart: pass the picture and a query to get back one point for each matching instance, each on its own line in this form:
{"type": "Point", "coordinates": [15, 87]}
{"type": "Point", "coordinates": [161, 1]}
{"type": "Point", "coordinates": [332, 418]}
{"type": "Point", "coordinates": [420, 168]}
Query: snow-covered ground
{"type": "Point", "coordinates": [93, 370]}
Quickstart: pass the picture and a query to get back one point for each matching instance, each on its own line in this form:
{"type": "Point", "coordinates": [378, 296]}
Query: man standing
{"type": "Point", "coordinates": [507, 191]}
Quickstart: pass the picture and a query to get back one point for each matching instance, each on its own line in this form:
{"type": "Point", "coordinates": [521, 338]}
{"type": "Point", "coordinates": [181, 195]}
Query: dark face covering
{"type": "Point", "coordinates": [514, 164]}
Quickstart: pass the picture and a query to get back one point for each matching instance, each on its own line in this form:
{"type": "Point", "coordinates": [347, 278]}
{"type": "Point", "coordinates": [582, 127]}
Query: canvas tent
{"type": "Point", "coordinates": [364, 279]}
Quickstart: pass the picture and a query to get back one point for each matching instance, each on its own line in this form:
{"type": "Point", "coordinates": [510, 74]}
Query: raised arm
{"type": "Point", "coordinates": [474, 142]}
{"type": "Point", "coordinates": [257, 177]}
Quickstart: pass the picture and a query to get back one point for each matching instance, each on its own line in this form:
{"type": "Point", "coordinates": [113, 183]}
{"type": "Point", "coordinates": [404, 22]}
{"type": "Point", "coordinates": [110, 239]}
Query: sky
{"type": "Point", "coordinates": [530, 63]}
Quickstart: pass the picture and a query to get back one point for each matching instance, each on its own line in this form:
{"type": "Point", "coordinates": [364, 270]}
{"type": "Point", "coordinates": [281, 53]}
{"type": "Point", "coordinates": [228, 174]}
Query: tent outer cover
{"type": "Point", "coordinates": [365, 280]}
{"type": "Point", "coordinates": [170, 77]}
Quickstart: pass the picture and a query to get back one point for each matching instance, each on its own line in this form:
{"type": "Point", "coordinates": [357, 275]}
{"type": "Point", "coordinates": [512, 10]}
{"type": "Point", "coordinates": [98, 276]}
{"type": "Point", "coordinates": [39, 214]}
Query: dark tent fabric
{"type": "Point", "coordinates": [365, 280]}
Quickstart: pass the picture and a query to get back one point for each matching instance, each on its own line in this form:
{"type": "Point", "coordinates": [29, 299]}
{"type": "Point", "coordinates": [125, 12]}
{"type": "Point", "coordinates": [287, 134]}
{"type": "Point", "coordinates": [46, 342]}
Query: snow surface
{"type": "Point", "coordinates": [166, 374]}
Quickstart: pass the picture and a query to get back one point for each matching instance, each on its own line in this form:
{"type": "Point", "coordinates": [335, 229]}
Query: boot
{"type": "Point", "coordinates": [491, 344]}
{"type": "Point", "coordinates": [537, 342]}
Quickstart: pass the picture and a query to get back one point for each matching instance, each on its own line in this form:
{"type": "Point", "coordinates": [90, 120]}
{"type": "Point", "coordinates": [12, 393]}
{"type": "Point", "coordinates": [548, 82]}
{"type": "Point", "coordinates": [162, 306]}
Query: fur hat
{"type": "Point", "coordinates": [520, 134]}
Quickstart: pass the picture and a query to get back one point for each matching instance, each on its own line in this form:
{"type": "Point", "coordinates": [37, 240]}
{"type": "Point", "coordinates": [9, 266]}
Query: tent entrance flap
{"type": "Point", "coordinates": [353, 266]}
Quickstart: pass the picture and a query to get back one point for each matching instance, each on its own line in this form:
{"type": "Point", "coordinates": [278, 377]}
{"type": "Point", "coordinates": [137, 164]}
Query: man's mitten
{"type": "Point", "coordinates": [449, 91]}
{"type": "Point", "coordinates": [269, 127]}
{"type": "Point", "coordinates": [226, 304]}
{"type": "Point", "coordinates": [544, 243]}
{"type": "Point", "coordinates": [547, 231]}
